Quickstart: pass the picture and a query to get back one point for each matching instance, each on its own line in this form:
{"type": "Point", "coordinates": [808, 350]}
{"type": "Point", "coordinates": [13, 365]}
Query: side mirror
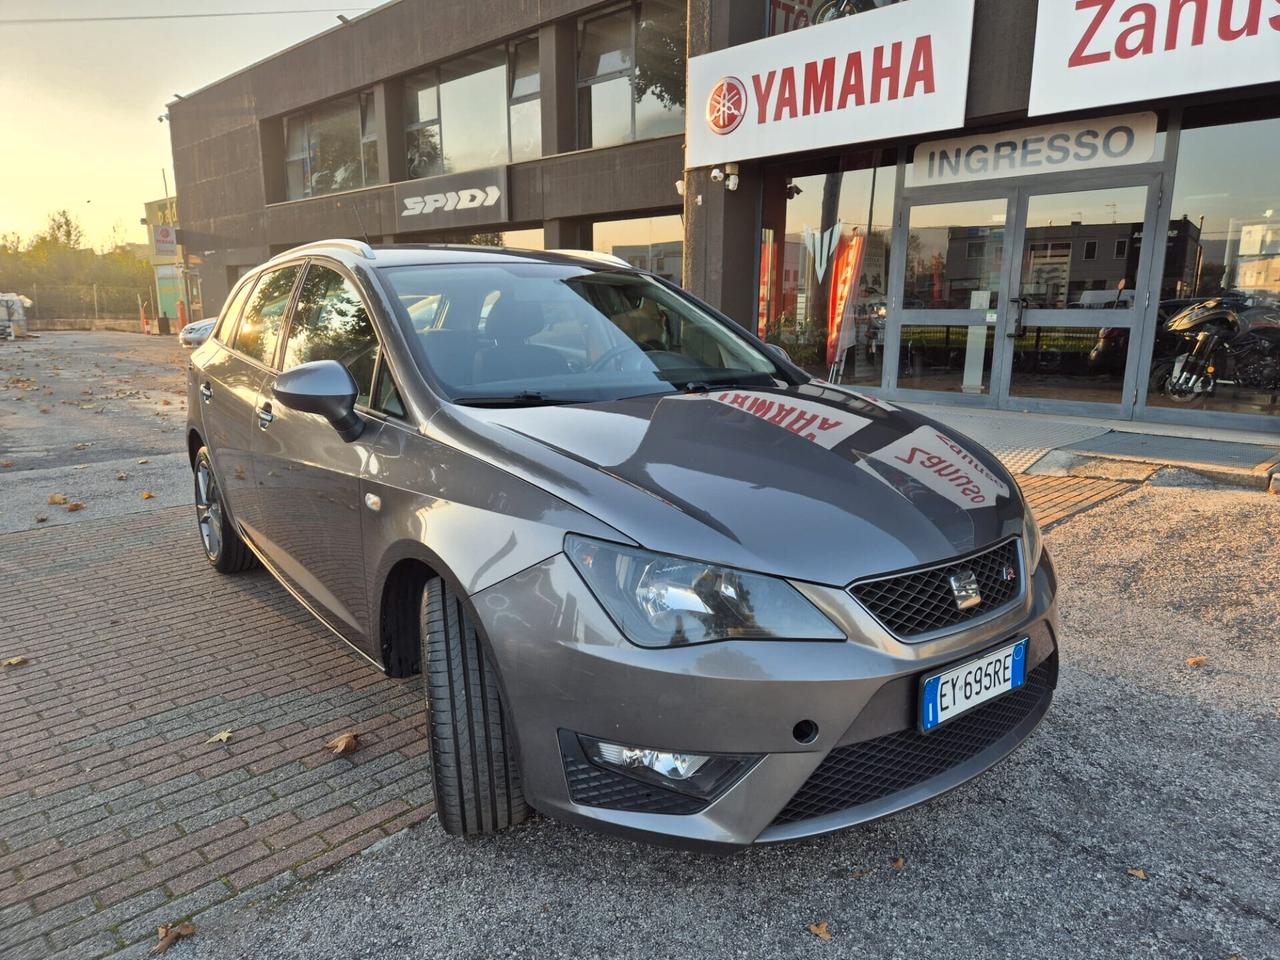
{"type": "Point", "coordinates": [324, 387]}
{"type": "Point", "coordinates": [778, 352]}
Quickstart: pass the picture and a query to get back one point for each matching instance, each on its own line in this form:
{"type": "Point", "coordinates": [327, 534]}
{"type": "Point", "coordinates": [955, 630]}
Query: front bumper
{"type": "Point", "coordinates": [564, 667]}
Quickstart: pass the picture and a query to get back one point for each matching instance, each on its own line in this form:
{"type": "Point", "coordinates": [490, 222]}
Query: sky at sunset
{"type": "Point", "coordinates": [79, 101]}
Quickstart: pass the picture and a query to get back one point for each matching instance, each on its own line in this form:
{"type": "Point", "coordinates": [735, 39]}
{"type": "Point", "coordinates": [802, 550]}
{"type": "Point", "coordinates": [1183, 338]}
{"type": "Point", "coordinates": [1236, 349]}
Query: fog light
{"type": "Point", "coordinates": [693, 774]}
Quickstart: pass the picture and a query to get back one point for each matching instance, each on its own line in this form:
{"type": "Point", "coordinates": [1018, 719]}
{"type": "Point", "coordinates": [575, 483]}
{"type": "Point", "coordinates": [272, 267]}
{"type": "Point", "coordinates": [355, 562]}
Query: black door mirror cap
{"type": "Point", "coordinates": [325, 388]}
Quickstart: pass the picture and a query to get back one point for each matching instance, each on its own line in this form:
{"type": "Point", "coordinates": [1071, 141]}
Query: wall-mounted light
{"type": "Point", "coordinates": [680, 187]}
{"type": "Point", "coordinates": [731, 176]}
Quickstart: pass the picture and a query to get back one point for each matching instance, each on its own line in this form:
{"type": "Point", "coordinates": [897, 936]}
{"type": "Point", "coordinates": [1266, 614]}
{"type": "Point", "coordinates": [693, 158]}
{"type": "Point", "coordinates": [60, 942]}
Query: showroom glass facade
{"type": "Point", "coordinates": [1035, 292]}
{"type": "Point", "coordinates": [332, 147]}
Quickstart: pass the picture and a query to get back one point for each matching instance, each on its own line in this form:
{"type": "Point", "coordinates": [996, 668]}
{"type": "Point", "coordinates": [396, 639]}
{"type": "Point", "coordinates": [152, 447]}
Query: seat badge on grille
{"type": "Point", "coordinates": [964, 587]}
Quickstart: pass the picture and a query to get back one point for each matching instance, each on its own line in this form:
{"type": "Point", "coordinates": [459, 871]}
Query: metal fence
{"type": "Point", "coordinates": [87, 300]}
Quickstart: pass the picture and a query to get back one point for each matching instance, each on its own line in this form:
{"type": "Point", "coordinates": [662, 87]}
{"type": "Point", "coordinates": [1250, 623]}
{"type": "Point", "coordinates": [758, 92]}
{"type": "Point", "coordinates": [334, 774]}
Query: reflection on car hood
{"type": "Point", "coordinates": [812, 482]}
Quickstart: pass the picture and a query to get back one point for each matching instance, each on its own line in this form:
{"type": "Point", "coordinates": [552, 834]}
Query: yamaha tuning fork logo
{"type": "Point", "coordinates": [727, 105]}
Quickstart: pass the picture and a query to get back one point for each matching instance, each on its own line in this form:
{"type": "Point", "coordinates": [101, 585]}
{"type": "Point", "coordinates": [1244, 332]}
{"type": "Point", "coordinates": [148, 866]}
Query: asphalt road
{"type": "Point", "coordinates": [1144, 763]}
{"type": "Point", "coordinates": [78, 412]}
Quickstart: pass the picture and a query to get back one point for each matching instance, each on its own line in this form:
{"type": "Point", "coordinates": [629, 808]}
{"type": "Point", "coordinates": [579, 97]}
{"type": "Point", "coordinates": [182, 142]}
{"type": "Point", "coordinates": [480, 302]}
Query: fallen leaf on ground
{"type": "Point", "coordinates": [167, 936]}
{"type": "Point", "coordinates": [42, 519]}
{"type": "Point", "coordinates": [1198, 661]}
{"type": "Point", "coordinates": [148, 495]}
{"type": "Point", "coordinates": [122, 476]}
{"type": "Point", "coordinates": [82, 446]}
{"type": "Point", "coordinates": [222, 737]}
{"type": "Point", "coordinates": [1137, 872]}
{"type": "Point", "coordinates": [167, 403]}
{"type": "Point", "coordinates": [73, 507]}
{"type": "Point", "coordinates": [16, 661]}
{"type": "Point", "coordinates": [859, 874]}
{"type": "Point", "coordinates": [144, 460]}
{"type": "Point", "coordinates": [899, 864]}
{"type": "Point", "coordinates": [44, 409]}
{"type": "Point", "coordinates": [7, 464]}
{"type": "Point", "coordinates": [344, 743]}
{"type": "Point", "coordinates": [820, 931]}
{"type": "Point", "coordinates": [57, 499]}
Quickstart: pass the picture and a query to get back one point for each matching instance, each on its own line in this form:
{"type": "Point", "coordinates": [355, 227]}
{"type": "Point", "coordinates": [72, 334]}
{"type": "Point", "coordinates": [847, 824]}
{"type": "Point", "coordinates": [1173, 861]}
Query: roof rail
{"type": "Point", "coordinates": [594, 255]}
{"type": "Point", "coordinates": [358, 247]}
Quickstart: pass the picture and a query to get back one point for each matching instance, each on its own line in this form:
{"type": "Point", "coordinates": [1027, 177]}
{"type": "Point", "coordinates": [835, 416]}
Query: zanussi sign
{"type": "Point", "coordinates": [895, 71]}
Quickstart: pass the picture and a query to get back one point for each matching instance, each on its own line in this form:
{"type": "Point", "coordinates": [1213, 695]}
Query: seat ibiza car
{"type": "Point", "coordinates": [656, 579]}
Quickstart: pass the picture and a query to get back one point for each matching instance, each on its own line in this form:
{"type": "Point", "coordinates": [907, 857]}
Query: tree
{"type": "Point", "coordinates": [660, 53]}
{"type": "Point", "coordinates": [63, 230]}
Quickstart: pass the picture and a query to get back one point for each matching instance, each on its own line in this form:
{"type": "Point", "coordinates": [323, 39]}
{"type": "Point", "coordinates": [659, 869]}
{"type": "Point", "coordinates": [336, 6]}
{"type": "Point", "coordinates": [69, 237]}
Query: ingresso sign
{"type": "Point", "coordinates": [1095, 52]}
{"type": "Point", "coordinates": [1054, 148]}
{"type": "Point", "coordinates": [475, 198]}
{"type": "Point", "coordinates": [896, 71]}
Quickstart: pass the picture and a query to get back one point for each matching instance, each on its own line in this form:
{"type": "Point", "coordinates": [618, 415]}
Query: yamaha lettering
{"type": "Point", "coordinates": [465, 199]}
{"type": "Point", "coordinates": [1072, 145]}
{"type": "Point", "coordinates": [1094, 52]}
{"type": "Point", "coordinates": [893, 71]}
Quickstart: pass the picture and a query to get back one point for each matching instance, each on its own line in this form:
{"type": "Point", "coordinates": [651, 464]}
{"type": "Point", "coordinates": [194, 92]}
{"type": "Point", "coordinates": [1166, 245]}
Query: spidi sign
{"type": "Point", "coordinates": [892, 72]}
{"type": "Point", "coordinates": [1095, 52]}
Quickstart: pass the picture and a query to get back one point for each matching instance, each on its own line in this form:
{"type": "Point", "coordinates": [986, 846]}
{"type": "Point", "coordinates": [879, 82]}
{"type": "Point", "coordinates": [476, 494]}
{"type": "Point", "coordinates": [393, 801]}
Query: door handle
{"type": "Point", "coordinates": [206, 391]}
{"type": "Point", "coordinates": [1019, 304]}
{"type": "Point", "coordinates": [265, 416]}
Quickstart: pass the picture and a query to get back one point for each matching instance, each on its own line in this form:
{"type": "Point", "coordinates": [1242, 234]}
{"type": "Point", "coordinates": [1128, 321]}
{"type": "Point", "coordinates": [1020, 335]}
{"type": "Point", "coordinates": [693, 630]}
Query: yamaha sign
{"type": "Point", "coordinates": [472, 199]}
{"type": "Point", "coordinates": [891, 72]}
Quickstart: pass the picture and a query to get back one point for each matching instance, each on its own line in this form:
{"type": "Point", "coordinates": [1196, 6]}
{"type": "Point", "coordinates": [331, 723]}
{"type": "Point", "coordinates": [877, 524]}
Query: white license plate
{"type": "Point", "coordinates": [946, 695]}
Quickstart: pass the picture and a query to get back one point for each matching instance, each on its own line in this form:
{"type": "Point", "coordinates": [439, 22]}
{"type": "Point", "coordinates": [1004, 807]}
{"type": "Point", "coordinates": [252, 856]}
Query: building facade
{"type": "Point", "coordinates": [939, 200]}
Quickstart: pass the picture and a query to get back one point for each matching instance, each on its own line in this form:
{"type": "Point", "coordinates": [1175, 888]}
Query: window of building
{"type": "Point", "coordinates": [331, 147]}
{"type": "Point", "coordinates": [259, 329]}
{"type": "Point", "coordinates": [788, 15]}
{"type": "Point", "coordinates": [1122, 249]}
{"type": "Point", "coordinates": [481, 110]}
{"type": "Point", "coordinates": [824, 265]}
{"type": "Point", "coordinates": [1091, 250]}
{"type": "Point", "coordinates": [524, 108]}
{"type": "Point", "coordinates": [655, 244]}
{"type": "Point", "coordinates": [631, 64]}
{"type": "Point", "coordinates": [1223, 242]}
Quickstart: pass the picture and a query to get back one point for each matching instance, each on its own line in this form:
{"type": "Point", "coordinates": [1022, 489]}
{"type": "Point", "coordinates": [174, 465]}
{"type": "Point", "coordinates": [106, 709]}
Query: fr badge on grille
{"type": "Point", "coordinates": [964, 587]}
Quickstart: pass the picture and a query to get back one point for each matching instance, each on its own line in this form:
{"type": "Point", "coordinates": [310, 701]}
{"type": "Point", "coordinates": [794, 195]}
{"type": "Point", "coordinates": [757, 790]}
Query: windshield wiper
{"type": "Point", "coordinates": [526, 398]}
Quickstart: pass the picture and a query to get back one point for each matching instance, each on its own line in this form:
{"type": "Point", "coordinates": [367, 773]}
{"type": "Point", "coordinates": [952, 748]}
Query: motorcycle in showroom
{"type": "Point", "coordinates": [1220, 342]}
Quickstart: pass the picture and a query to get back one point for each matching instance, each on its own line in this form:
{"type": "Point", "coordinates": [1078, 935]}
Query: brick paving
{"type": "Point", "coordinates": [1056, 498]}
{"type": "Point", "coordinates": [115, 814]}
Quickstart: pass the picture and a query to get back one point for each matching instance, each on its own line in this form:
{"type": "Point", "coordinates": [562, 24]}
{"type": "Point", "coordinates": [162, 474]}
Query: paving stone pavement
{"type": "Point", "coordinates": [116, 815]}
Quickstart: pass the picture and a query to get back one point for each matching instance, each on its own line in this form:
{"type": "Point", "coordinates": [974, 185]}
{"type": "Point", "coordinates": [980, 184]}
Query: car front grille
{"type": "Point", "coordinates": [874, 769]}
{"type": "Point", "coordinates": [594, 786]}
{"type": "Point", "coordinates": [918, 602]}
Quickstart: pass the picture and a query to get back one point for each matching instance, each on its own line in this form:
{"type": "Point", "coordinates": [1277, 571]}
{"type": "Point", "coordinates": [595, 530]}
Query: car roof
{"type": "Point", "coordinates": [419, 254]}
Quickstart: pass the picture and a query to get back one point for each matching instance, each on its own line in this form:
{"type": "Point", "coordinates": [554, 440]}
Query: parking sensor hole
{"type": "Point", "coordinates": [806, 731]}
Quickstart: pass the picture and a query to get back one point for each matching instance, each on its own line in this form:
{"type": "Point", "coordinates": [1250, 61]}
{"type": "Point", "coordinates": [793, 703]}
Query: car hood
{"type": "Point", "coordinates": [813, 482]}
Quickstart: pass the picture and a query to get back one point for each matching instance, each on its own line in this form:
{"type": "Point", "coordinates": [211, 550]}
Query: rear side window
{"type": "Point", "coordinates": [331, 322]}
{"type": "Point", "coordinates": [231, 313]}
{"type": "Point", "coordinates": [259, 330]}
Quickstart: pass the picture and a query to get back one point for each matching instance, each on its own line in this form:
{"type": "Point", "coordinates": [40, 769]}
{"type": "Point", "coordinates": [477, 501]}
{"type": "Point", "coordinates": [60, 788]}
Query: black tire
{"type": "Point", "coordinates": [473, 760]}
{"type": "Point", "coordinates": [223, 548]}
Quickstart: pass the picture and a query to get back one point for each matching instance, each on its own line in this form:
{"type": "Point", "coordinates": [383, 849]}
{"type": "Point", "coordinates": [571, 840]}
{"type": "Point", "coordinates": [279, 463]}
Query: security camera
{"type": "Point", "coordinates": [731, 182]}
{"type": "Point", "coordinates": [680, 187]}
{"type": "Point", "coordinates": [717, 175]}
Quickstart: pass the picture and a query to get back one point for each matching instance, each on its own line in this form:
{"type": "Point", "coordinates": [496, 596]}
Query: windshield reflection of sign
{"type": "Point", "coordinates": [934, 459]}
{"type": "Point", "coordinates": [819, 423]}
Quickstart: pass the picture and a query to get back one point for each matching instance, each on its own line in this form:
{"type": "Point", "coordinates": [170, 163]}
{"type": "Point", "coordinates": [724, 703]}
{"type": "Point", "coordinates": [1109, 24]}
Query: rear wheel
{"type": "Point", "coordinates": [223, 547]}
{"type": "Point", "coordinates": [473, 761]}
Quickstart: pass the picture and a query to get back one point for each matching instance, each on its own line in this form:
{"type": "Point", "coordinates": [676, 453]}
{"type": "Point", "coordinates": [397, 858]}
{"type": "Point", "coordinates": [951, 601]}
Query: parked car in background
{"type": "Point", "coordinates": [194, 334]}
{"type": "Point", "coordinates": [656, 579]}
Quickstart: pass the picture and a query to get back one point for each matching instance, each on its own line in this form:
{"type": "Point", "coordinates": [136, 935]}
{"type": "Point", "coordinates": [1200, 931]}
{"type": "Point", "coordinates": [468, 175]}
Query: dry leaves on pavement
{"type": "Point", "coordinates": [42, 519]}
{"type": "Point", "coordinates": [1137, 872]}
{"type": "Point", "coordinates": [6, 465]}
{"type": "Point", "coordinates": [144, 460]}
{"type": "Point", "coordinates": [148, 495]}
{"type": "Point", "coordinates": [167, 936]}
{"type": "Point", "coordinates": [1197, 661]}
{"type": "Point", "coordinates": [74, 506]}
{"type": "Point", "coordinates": [859, 874]}
{"type": "Point", "coordinates": [820, 931]}
{"type": "Point", "coordinates": [222, 737]}
{"type": "Point", "coordinates": [57, 499]}
{"type": "Point", "coordinates": [15, 661]}
{"type": "Point", "coordinates": [344, 743]}
{"type": "Point", "coordinates": [122, 476]}
{"type": "Point", "coordinates": [899, 864]}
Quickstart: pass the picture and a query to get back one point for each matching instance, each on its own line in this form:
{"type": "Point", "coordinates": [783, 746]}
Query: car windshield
{"type": "Point", "coordinates": [529, 333]}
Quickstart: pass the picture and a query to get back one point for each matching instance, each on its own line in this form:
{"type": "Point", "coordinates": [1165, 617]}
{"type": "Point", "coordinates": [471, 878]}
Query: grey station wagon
{"type": "Point", "coordinates": [656, 579]}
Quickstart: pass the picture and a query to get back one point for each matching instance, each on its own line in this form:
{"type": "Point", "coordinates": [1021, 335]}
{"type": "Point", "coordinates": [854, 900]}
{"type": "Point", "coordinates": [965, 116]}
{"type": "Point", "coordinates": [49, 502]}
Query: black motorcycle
{"type": "Point", "coordinates": [1220, 342]}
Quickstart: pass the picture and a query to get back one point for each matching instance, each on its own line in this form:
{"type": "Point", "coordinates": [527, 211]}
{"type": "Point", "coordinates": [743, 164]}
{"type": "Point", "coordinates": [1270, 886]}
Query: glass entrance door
{"type": "Point", "coordinates": [1024, 297]}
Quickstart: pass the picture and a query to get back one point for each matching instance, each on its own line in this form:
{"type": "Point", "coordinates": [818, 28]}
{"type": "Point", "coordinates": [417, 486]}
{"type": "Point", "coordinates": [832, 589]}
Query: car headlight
{"type": "Point", "coordinates": [662, 601]}
{"type": "Point", "coordinates": [1033, 539]}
